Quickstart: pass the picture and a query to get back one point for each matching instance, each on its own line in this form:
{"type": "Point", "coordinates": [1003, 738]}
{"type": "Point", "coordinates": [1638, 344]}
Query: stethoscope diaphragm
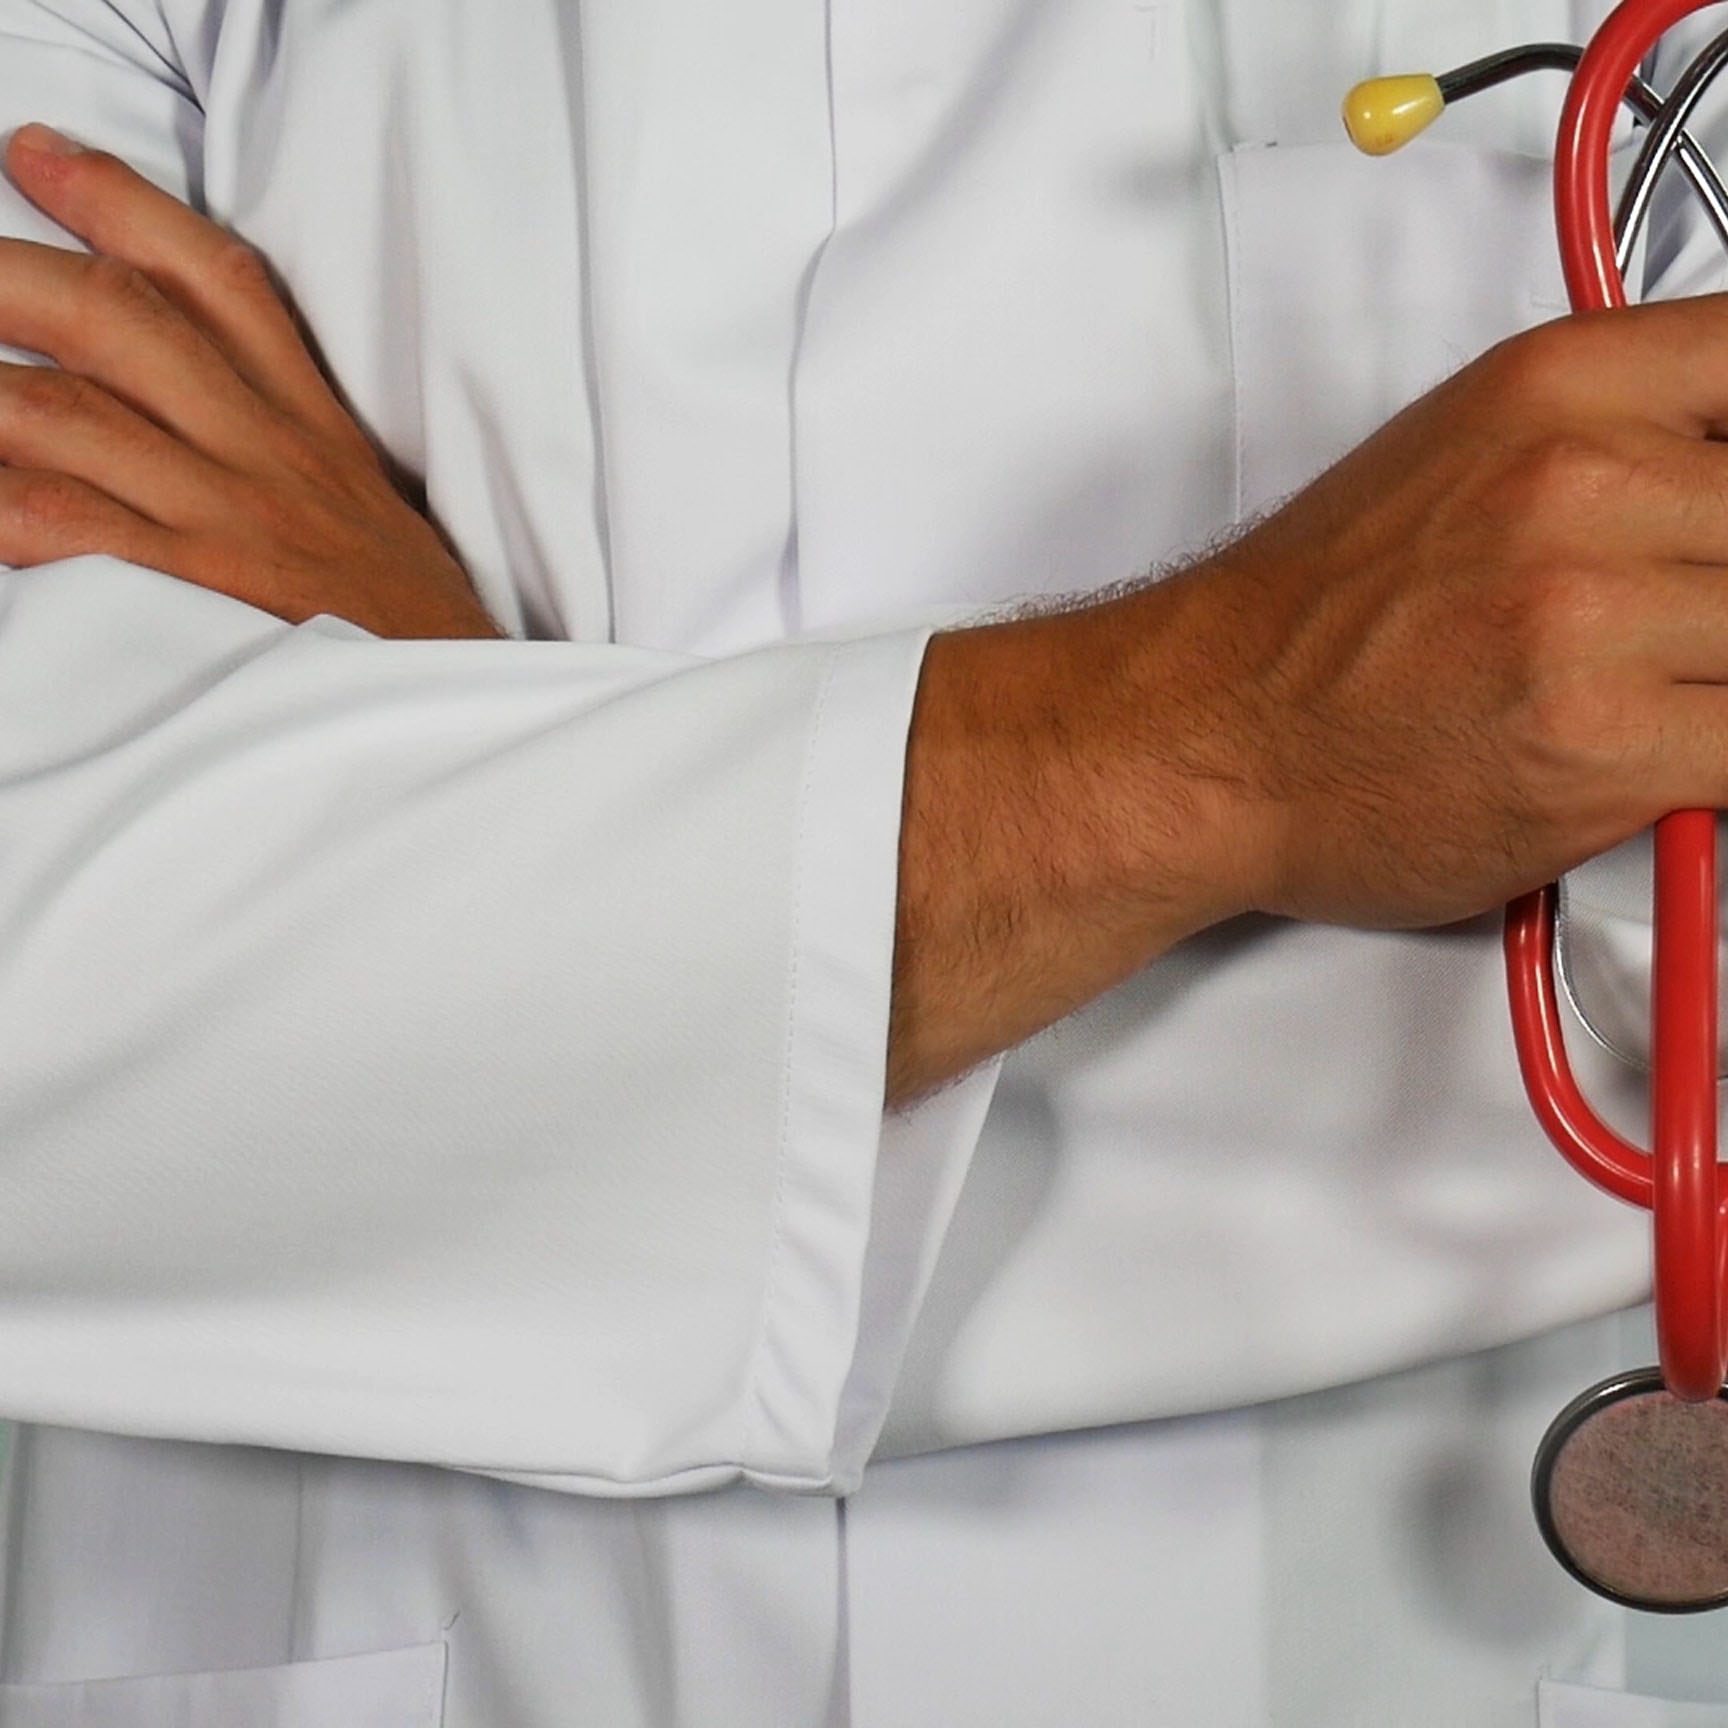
{"type": "Point", "coordinates": [1631, 1493]}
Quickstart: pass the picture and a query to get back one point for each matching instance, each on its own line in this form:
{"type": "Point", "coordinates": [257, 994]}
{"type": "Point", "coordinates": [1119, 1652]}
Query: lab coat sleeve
{"type": "Point", "coordinates": [467, 1052]}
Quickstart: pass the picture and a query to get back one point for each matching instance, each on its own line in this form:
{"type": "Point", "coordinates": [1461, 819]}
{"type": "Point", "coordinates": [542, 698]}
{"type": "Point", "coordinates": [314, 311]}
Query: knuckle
{"type": "Point", "coordinates": [240, 269]}
{"type": "Point", "coordinates": [317, 470]}
{"type": "Point", "coordinates": [118, 287]}
{"type": "Point", "coordinates": [49, 504]}
{"type": "Point", "coordinates": [1562, 477]}
{"type": "Point", "coordinates": [1536, 368]}
{"type": "Point", "coordinates": [1578, 721]}
{"type": "Point", "coordinates": [1562, 728]}
{"type": "Point", "coordinates": [1567, 610]}
{"type": "Point", "coordinates": [267, 518]}
{"type": "Point", "coordinates": [280, 523]}
{"type": "Point", "coordinates": [1586, 751]}
{"type": "Point", "coordinates": [42, 393]}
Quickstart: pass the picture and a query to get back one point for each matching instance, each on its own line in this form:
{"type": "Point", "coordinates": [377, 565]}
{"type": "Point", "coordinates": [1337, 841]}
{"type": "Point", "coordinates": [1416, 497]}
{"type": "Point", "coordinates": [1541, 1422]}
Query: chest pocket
{"type": "Point", "coordinates": [1357, 285]}
{"type": "Point", "coordinates": [1564, 1706]}
{"type": "Point", "coordinates": [387, 1689]}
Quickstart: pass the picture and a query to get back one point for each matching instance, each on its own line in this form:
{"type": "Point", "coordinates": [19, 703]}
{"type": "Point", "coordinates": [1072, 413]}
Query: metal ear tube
{"type": "Point", "coordinates": [1382, 115]}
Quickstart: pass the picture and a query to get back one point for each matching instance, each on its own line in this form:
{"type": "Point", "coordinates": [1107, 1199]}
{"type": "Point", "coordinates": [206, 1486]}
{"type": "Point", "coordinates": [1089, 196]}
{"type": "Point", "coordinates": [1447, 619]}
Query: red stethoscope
{"type": "Point", "coordinates": [1631, 1481]}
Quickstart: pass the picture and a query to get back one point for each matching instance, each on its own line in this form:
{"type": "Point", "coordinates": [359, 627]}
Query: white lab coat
{"type": "Point", "coordinates": [441, 1107]}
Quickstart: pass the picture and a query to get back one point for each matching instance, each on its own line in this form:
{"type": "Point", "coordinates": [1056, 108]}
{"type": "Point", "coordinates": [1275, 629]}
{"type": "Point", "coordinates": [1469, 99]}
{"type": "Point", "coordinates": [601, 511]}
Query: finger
{"type": "Point", "coordinates": [1670, 497]}
{"type": "Point", "coordinates": [223, 285]}
{"type": "Point", "coordinates": [1665, 363]}
{"type": "Point", "coordinates": [1668, 624]}
{"type": "Point", "coordinates": [1688, 767]}
{"type": "Point", "coordinates": [1674, 649]}
{"type": "Point", "coordinates": [63, 424]}
{"type": "Point", "coordinates": [105, 320]}
{"type": "Point", "coordinates": [44, 517]}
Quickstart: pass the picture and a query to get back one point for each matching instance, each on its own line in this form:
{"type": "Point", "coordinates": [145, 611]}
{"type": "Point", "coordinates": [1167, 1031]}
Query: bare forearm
{"type": "Point", "coordinates": [1489, 643]}
{"type": "Point", "coordinates": [1065, 821]}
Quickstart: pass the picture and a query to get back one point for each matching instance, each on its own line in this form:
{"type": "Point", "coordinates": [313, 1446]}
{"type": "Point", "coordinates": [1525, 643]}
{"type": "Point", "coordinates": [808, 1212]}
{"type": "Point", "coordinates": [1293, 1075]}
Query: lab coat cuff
{"type": "Point", "coordinates": [806, 1421]}
{"type": "Point", "coordinates": [921, 1164]}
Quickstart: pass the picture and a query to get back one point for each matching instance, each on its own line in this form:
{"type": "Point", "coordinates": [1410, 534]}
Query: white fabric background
{"type": "Point", "coordinates": [854, 313]}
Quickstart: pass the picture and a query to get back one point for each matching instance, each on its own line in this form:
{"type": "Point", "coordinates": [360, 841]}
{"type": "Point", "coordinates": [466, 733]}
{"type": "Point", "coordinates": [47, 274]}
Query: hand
{"type": "Point", "coordinates": [1491, 642]}
{"type": "Point", "coordinates": [186, 427]}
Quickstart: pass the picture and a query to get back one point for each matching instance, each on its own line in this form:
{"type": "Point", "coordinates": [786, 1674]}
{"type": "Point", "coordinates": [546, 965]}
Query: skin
{"type": "Point", "coordinates": [1488, 644]}
{"type": "Point", "coordinates": [186, 426]}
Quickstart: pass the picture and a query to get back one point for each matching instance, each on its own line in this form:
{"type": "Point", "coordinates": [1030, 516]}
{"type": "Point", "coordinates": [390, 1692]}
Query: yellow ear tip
{"type": "Point", "coordinates": [1384, 114]}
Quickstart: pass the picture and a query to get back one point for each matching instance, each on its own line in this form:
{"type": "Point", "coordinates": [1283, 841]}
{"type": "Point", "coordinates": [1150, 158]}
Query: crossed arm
{"type": "Point", "coordinates": [1485, 646]}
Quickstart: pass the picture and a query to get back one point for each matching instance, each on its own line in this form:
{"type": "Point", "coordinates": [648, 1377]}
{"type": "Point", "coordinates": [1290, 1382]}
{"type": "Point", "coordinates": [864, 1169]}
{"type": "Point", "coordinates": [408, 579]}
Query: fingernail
{"type": "Point", "coordinates": [46, 140]}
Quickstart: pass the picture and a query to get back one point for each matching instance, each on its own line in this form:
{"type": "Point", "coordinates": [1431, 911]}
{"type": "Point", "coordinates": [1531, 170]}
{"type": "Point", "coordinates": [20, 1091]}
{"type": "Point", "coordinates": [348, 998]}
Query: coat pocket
{"type": "Point", "coordinates": [385, 1689]}
{"type": "Point", "coordinates": [1560, 1705]}
{"type": "Point", "coordinates": [1357, 285]}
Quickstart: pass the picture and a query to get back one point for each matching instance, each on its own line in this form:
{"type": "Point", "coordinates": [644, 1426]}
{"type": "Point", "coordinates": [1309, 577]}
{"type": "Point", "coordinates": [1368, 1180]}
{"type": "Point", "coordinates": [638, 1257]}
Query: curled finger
{"type": "Point", "coordinates": [55, 420]}
{"type": "Point", "coordinates": [46, 516]}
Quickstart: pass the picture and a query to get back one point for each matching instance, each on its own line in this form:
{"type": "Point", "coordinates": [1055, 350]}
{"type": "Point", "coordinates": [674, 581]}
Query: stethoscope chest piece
{"type": "Point", "coordinates": [1631, 1493]}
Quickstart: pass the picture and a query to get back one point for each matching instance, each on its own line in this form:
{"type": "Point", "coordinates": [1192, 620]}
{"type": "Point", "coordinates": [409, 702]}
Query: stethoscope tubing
{"type": "Point", "coordinates": [1662, 142]}
{"type": "Point", "coordinates": [1643, 100]}
{"type": "Point", "coordinates": [1679, 1179]}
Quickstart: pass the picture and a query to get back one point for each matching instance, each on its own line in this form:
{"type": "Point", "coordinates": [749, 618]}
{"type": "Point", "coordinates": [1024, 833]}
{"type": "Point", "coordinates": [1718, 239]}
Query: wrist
{"type": "Point", "coordinates": [1070, 813]}
{"type": "Point", "coordinates": [1175, 680]}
